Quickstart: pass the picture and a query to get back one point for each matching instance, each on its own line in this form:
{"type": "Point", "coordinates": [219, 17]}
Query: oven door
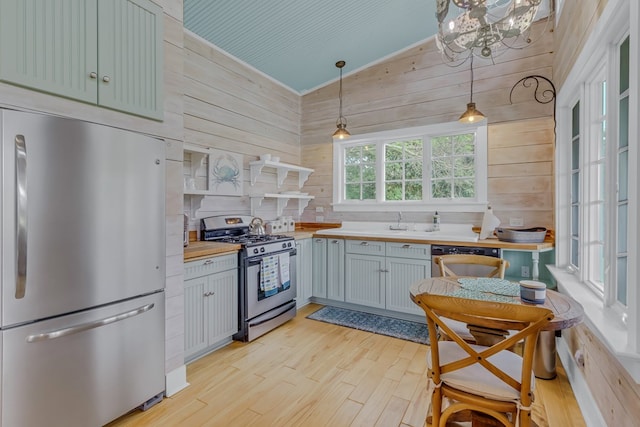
{"type": "Point", "coordinates": [270, 281]}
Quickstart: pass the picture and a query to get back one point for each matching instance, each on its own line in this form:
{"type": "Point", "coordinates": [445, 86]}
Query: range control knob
{"type": "Point", "coordinates": [284, 245]}
{"type": "Point", "coordinates": [255, 250]}
{"type": "Point", "coordinates": [262, 249]}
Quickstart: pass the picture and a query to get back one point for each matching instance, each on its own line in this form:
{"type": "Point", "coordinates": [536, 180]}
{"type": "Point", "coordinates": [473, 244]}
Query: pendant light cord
{"type": "Point", "coordinates": [471, 78]}
{"type": "Point", "coordinates": [340, 95]}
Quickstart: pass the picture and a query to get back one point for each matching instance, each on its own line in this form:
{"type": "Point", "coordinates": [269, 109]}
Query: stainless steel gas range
{"type": "Point", "coordinates": [267, 283]}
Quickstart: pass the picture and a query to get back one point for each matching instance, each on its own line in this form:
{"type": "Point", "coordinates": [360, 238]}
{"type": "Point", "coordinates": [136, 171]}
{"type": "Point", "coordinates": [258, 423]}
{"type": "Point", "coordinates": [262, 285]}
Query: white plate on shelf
{"type": "Point", "coordinates": [293, 193]}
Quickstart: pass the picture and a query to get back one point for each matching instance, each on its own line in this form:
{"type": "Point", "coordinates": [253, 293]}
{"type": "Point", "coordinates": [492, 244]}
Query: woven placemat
{"type": "Point", "coordinates": [492, 285]}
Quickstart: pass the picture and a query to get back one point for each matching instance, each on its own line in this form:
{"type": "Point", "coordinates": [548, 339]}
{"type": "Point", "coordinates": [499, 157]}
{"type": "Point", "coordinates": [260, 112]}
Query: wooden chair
{"type": "Point", "coordinates": [478, 379]}
{"type": "Point", "coordinates": [445, 261]}
{"type": "Point", "coordinates": [499, 266]}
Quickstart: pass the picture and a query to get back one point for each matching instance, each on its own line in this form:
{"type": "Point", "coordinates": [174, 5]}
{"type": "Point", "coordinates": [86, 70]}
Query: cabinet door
{"type": "Point", "coordinates": [304, 268]}
{"type": "Point", "coordinates": [130, 50]}
{"type": "Point", "coordinates": [320, 268]}
{"type": "Point", "coordinates": [221, 301]}
{"type": "Point", "coordinates": [50, 46]}
{"type": "Point", "coordinates": [365, 276]}
{"type": "Point", "coordinates": [335, 269]}
{"type": "Point", "coordinates": [195, 333]}
{"type": "Point", "coordinates": [402, 274]}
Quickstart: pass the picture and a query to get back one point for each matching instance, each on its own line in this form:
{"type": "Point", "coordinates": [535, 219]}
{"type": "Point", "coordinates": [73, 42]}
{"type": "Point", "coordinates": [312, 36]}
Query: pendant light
{"type": "Point", "coordinates": [341, 123]}
{"type": "Point", "coordinates": [471, 115]}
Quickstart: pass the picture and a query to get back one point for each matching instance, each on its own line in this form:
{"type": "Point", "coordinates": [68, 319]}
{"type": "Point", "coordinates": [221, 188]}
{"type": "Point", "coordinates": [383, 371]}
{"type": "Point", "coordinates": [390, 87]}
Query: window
{"type": "Point", "coordinates": [597, 250]}
{"type": "Point", "coordinates": [432, 167]}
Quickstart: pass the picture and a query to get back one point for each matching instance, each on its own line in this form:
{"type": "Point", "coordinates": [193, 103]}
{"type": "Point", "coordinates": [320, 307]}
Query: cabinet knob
{"type": "Point", "coordinates": [364, 243]}
{"type": "Point", "coordinates": [334, 241]}
{"type": "Point", "coordinates": [106, 79]}
{"type": "Point", "coordinates": [406, 246]}
{"type": "Point", "coordinates": [207, 262]}
{"type": "Point", "coordinates": [93, 75]}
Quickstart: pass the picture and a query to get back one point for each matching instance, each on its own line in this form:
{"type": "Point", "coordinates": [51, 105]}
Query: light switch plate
{"type": "Point", "coordinates": [319, 209]}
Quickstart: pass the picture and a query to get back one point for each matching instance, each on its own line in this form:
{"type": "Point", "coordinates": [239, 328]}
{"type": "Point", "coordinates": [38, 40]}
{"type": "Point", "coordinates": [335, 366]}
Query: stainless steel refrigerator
{"type": "Point", "coordinates": [83, 271]}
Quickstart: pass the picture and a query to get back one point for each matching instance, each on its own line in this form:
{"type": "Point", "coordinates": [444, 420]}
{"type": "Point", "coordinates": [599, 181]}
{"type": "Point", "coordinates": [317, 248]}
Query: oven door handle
{"type": "Point", "coordinates": [276, 312]}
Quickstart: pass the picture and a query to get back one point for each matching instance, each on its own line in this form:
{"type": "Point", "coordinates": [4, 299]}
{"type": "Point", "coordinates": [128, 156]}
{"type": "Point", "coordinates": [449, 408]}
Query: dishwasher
{"type": "Point", "coordinates": [463, 270]}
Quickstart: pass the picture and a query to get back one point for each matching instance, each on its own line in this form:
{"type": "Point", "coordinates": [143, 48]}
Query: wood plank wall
{"type": "Point", "coordinates": [229, 106]}
{"type": "Point", "coordinates": [416, 88]}
{"type": "Point", "coordinates": [171, 130]}
{"type": "Point", "coordinates": [576, 20]}
{"type": "Point", "coordinates": [614, 391]}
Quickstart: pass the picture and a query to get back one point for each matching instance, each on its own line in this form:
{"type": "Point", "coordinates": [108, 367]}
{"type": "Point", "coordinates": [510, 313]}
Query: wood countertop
{"type": "Point", "coordinates": [198, 250]}
{"type": "Point", "coordinates": [548, 244]}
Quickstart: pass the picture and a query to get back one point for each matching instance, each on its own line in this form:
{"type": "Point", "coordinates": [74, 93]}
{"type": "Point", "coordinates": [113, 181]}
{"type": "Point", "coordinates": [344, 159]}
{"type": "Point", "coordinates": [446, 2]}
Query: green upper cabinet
{"type": "Point", "coordinates": [105, 52]}
{"type": "Point", "coordinates": [130, 56]}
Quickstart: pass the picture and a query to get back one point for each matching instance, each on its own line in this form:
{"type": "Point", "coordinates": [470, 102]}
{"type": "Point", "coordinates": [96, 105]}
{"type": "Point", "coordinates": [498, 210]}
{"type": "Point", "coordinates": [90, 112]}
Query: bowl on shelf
{"type": "Point", "coordinates": [275, 159]}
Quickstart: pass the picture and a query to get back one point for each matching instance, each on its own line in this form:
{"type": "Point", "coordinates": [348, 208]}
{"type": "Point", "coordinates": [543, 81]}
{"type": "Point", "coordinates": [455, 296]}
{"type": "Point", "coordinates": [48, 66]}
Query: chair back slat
{"type": "Point", "coordinates": [444, 261]}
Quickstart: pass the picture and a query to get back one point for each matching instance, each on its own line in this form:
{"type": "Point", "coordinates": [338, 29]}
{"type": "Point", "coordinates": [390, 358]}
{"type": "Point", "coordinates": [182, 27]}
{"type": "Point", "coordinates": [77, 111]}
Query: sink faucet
{"type": "Point", "coordinates": [399, 227]}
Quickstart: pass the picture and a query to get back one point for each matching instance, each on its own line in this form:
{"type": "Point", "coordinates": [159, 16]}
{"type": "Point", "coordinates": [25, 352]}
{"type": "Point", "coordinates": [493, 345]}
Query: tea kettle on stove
{"type": "Point", "coordinates": [256, 226]}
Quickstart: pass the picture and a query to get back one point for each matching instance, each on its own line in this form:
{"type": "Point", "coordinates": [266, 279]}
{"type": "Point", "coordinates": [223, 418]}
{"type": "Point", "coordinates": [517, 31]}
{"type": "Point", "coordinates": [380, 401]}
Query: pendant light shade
{"type": "Point", "coordinates": [472, 115]}
{"type": "Point", "coordinates": [341, 123]}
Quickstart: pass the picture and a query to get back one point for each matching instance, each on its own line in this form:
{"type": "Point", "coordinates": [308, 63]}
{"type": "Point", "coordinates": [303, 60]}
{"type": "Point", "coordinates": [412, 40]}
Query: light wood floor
{"type": "Point", "coordinates": [308, 373]}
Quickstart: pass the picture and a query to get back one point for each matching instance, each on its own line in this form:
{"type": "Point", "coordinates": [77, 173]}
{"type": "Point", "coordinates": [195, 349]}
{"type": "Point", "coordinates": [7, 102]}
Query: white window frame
{"type": "Point", "coordinates": [617, 328]}
{"type": "Point", "coordinates": [478, 204]}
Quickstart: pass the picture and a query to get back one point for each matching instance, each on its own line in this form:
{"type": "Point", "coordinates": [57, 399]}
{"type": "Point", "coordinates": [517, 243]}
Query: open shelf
{"type": "Point", "coordinates": [282, 170]}
{"type": "Point", "coordinates": [281, 200]}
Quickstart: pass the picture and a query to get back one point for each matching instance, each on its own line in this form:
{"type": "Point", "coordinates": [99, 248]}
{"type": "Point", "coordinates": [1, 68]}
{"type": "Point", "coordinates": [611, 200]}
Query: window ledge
{"type": "Point", "coordinates": [604, 322]}
{"type": "Point", "coordinates": [409, 206]}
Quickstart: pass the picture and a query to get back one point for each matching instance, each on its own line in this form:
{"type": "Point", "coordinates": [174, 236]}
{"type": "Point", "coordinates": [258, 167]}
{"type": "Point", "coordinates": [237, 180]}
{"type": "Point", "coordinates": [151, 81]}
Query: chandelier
{"type": "Point", "coordinates": [483, 26]}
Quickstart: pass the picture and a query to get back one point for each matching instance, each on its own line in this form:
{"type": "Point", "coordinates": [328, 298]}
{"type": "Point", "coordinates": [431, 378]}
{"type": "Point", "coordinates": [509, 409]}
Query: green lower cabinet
{"type": "Point", "coordinates": [402, 273]}
{"type": "Point", "coordinates": [365, 280]}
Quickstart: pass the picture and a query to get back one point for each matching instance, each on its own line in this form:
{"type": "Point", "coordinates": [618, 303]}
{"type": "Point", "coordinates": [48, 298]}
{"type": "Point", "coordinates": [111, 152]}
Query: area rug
{"type": "Point", "coordinates": [397, 328]}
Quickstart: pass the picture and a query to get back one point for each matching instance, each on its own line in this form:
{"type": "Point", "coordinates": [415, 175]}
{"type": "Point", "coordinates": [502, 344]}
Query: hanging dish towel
{"type": "Point", "coordinates": [269, 275]}
{"type": "Point", "coordinates": [285, 280]}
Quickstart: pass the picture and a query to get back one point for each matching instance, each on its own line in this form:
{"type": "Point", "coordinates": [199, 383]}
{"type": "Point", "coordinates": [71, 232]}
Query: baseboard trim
{"type": "Point", "coordinates": [176, 380]}
{"type": "Point", "coordinates": [588, 405]}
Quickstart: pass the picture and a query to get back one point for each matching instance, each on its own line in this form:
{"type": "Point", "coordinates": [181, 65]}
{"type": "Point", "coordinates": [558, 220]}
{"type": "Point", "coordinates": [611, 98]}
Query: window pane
{"type": "Point", "coordinates": [442, 167]}
{"type": "Point", "coordinates": [393, 151]}
{"type": "Point", "coordinates": [393, 171]}
{"type": "Point", "coordinates": [393, 191]}
{"type": "Point", "coordinates": [575, 120]}
{"type": "Point", "coordinates": [352, 192]}
{"type": "Point", "coordinates": [622, 229]}
{"type": "Point", "coordinates": [369, 191]}
{"type": "Point", "coordinates": [621, 292]}
{"type": "Point", "coordinates": [624, 122]}
{"type": "Point", "coordinates": [575, 215]}
{"type": "Point", "coordinates": [441, 146]}
{"type": "Point", "coordinates": [413, 150]}
{"type": "Point", "coordinates": [464, 144]}
{"type": "Point", "coordinates": [368, 173]}
{"type": "Point", "coordinates": [623, 176]}
{"type": "Point", "coordinates": [352, 173]}
{"type": "Point", "coordinates": [464, 166]}
{"type": "Point", "coordinates": [624, 65]}
{"type": "Point", "coordinates": [413, 191]}
{"type": "Point", "coordinates": [369, 153]}
{"type": "Point", "coordinates": [575, 153]}
{"type": "Point", "coordinates": [574, 253]}
{"type": "Point", "coordinates": [413, 170]}
{"type": "Point", "coordinates": [352, 155]}
{"type": "Point", "coordinates": [464, 188]}
{"type": "Point", "coordinates": [441, 189]}
{"type": "Point", "coordinates": [575, 187]}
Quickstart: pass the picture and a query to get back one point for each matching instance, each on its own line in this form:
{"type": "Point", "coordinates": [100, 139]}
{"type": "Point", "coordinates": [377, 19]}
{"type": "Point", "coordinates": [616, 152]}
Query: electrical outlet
{"type": "Point", "coordinates": [319, 218]}
{"type": "Point", "coordinates": [319, 209]}
{"type": "Point", "coordinates": [516, 222]}
{"type": "Point", "coordinates": [524, 271]}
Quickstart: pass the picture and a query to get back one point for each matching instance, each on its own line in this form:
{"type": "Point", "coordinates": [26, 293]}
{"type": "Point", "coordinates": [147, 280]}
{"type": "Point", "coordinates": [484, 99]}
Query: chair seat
{"type": "Point", "coordinates": [476, 379]}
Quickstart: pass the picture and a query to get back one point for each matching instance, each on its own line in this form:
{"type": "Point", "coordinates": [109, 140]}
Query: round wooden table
{"type": "Point", "coordinates": [568, 312]}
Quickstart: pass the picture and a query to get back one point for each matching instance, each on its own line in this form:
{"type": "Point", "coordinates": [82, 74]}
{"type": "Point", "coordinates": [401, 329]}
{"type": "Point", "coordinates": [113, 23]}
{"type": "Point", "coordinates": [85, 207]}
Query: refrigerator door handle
{"type": "Point", "coordinates": [21, 216]}
{"type": "Point", "coordinates": [89, 325]}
